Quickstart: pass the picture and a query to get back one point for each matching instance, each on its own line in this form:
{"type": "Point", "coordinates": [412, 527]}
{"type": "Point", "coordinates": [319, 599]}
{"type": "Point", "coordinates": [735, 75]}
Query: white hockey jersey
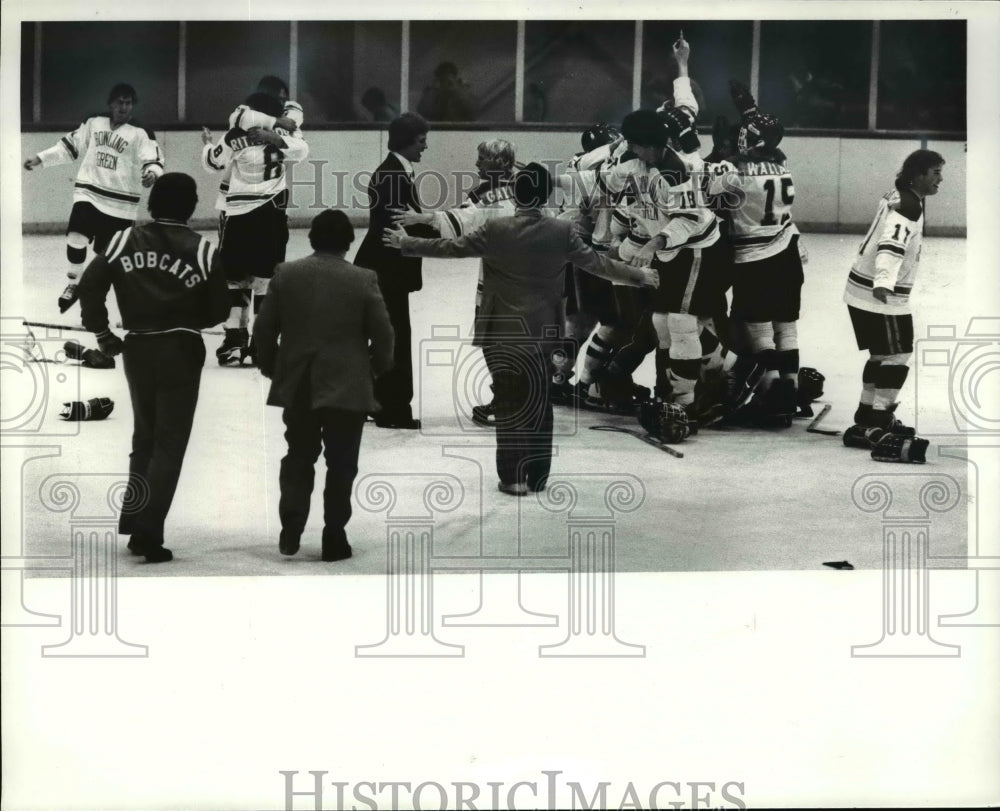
{"type": "Point", "coordinates": [665, 199]}
{"type": "Point", "coordinates": [761, 218]}
{"type": "Point", "coordinates": [486, 202]}
{"type": "Point", "coordinates": [114, 161]}
{"type": "Point", "coordinates": [585, 203]}
{"type": "Point", "coordinates": [245, 118]}
{"type": "Point", "coordinates": [888, 257]}
{"type": "Point", "coordinates": [257, 170]}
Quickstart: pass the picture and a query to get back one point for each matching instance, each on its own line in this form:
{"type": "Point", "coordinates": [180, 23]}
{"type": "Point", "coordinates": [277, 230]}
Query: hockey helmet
{"type": "Point", "coordinates": [667, 422]}
{"type": "Point", "coordinates": [759, 130]}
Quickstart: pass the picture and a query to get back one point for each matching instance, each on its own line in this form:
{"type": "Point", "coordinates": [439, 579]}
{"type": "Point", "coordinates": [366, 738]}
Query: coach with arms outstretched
{"type": "Point", "coordinates": [523, 277]}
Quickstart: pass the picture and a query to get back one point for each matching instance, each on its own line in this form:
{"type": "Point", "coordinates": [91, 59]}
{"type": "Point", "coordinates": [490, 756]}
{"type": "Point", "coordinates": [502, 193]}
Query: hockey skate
{"type": "Point", "coordinates": [777, 406]}
{"type": "Point", "coordinates": [617, 394]}
{"type": "Point", "coordinates": [887, 421]}
{"type": "Point", "coordinates": [235, 347]}
{"type": "Point", "coordinates": [563, 394]}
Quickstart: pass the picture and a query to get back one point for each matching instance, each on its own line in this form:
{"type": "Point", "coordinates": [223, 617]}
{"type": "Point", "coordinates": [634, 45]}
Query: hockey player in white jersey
{"type": "Point", "coordinates": [591, 302]}
{"type": "Point", "coordinates": [878, 298]}
{"type": "Point", "coordinates": [118, 158]}
{"type": "Point", "coordinates": [685, 242]}
{"type": "Point", "coordinates": [290, 120]}
{"type": "Point", "coordinates": [255, 228]}
{"type": "Point", "coordinates": [767, 271]}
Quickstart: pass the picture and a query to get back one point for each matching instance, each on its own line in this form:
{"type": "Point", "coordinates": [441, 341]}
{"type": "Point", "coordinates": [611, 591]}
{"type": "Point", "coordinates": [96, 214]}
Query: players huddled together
{"type": "Point", "coordinates": [715, 228]}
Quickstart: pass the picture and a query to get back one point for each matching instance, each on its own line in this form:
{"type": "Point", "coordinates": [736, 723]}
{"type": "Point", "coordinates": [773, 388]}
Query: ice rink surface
{"type": "Point", "coordinates": [739, 500]}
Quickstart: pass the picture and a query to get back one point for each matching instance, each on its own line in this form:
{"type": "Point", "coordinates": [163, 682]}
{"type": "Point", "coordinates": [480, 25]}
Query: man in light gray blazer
{"type": "Point", "coordinates": [521, 316]}
{"type": "Point", "coordinates": [326, 311]}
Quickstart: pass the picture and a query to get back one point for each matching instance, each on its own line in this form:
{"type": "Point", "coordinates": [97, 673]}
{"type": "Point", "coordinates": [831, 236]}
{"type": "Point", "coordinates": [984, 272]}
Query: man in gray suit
{"type": "Point", "coordinates": [522, 306]}
{"type": "Point", "coordinates": [326, 311]}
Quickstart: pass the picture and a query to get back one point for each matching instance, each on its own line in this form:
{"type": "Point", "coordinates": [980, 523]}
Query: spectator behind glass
{"type": "Point", "coordinates": [448, 97]}
{"type": "Point", "coordinates": [536, 105]}
{"type": "Point", "coordinates": [377, 106]}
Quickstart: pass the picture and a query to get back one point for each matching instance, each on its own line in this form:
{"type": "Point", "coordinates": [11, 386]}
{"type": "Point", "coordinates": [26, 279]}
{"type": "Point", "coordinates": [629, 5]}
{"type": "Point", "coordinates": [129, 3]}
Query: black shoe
{"type": "Point", "coordinates": [158, 554]}
{"type": "Point", "coordinates": [407, 423]}
{"type": "Point", "coordinates": [288, 542]}
{"type": "Point", "coordinates": [485, 415]}
{"type": "Point", "coordinates": [138, 544]}
{"type": "Point", "coordinates": [331, 554]}
{"type": "Point", "coordinates": [536, 488]}
{"type": "Point", "coordinates": [513, 489]}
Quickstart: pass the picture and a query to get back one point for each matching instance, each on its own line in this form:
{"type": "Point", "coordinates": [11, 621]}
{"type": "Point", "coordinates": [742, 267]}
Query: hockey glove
{"type": "Point", "coordinates": [96, 408]}
{"type": "Point", "coordinates": [895, 448]}
{"type": "Point", "coordinates": [680, 125]}
{"type": "Point", "coordinates": [91, 358]}
{"type": "Point", "coordinates": [859, 436]}
{"type": "Point", "coordinates": [68, 297]}
{"type": "Point", "coordinates": [810, 386]}
{"type": "Point", "coordinates": [742, 98]}
{"type": "Point", "coordinates": [110, 343]}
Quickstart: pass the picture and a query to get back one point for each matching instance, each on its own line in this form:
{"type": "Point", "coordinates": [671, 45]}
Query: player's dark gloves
{"type": "Point", "coordinates": [110, 343]}
{"type": "Point", "coordinates": [742, 98]}
{"type": "Point", "coordinates": [68, 297]}
{"type": "Point", "coordinates": [92, 358]}
{"type": "Point", "coordinates": [896, 448]}
{"type": "Point", "coordinates": [680, 125]}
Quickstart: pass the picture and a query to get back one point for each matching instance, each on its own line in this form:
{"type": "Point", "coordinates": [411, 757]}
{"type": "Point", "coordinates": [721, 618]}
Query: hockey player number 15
{"type": "Point", "coordinates": [787, 197]}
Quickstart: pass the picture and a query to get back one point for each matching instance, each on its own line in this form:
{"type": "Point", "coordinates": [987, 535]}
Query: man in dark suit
{"type": "Point", "coordinates": [326, 311]}
{"type": "Point", "coordinates": [392, 190]}
{"type": "Point", "coordinates": [523, 280]}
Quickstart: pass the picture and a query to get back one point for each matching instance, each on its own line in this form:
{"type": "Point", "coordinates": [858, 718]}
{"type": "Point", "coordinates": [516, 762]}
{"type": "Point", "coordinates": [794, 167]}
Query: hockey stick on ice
{"type": "Point", "coordinates": [47, 325]}
{"type": "Point", "coordinates": [74, 328]}
{"type": "Point", "coordinates": [118, 325]}
{"type": "Point", "coordinates": [813, 426]}
{"type": "Point", "coordinates": [648, 439]}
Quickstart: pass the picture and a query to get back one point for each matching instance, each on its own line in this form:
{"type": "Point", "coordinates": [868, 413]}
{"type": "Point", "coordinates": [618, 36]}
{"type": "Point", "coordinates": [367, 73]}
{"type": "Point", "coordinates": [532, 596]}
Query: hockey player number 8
{"type": "Point", "coordinates": [787, 197]}
{"type": "Point", "coordinates": [272, 162]}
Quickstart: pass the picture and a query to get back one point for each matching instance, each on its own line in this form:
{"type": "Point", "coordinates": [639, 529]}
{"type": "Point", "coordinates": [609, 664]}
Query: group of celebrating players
{"type": "Point", "coordinates": [710, 225]}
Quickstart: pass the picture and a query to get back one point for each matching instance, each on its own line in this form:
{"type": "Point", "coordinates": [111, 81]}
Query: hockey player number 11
{"type": "Point", "coordinates": [787, 197]}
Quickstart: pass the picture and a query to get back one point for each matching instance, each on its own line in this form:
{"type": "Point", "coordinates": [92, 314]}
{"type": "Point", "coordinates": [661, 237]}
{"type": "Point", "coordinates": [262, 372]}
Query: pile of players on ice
{"type": "Point", "coordinates": [710, 225]}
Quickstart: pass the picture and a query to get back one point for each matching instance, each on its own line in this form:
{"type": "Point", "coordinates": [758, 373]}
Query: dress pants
{"type": "Point", "coordinates": [522, 399]}
{"type": "Point", "coordinates": [307, 430]}
{"type": "Point", "coordinates": [163, 373]}
{"type": "Point", "coordinates": [394, 389]}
